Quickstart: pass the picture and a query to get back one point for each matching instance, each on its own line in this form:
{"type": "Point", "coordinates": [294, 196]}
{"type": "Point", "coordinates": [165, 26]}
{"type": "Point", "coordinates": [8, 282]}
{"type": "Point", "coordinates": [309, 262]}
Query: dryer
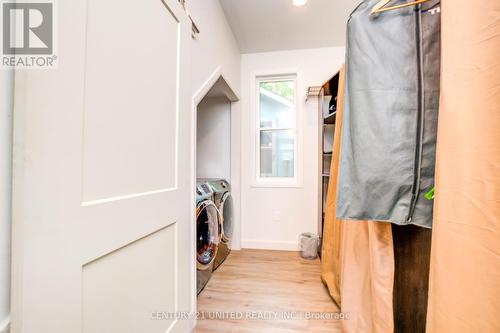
{"type": "Point", "coordinates": [224, 202]}
{"type": "Point", "coordinates": [208, 233]}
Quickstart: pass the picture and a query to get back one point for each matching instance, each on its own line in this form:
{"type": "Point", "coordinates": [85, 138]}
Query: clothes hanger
{"type": "Point", "coordinates": [380, 6]}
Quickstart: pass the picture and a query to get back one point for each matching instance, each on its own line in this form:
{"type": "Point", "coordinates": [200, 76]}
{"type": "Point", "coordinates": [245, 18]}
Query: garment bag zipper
{"type": "Point", "coordinates": [420, 116]}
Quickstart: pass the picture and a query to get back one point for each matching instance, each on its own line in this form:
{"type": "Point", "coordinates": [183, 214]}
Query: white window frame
{"type": "Point", "coordinates": [296, 180]}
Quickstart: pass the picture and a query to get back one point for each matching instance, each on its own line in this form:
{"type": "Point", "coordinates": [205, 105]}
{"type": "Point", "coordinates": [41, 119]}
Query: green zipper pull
{"type": "Point", "coordinates": [430, 195]}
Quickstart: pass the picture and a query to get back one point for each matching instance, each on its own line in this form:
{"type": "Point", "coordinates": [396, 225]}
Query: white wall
{"type": "Point", "coordinates": [215, 49]}
{"type": "Point", "coordinates": [215, 45]}
{"type": "Point", "coordinates": [213, 141]}
{"type": "Point", "coordinates": [6, 95]}
{"type": "Point", "coordinates": [273, 218]}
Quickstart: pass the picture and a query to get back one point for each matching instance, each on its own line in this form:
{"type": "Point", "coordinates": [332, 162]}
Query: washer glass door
{"type": "Point", "coordinates": [207, 233]}
{"type": "Point", "coordinates": [227, 211]}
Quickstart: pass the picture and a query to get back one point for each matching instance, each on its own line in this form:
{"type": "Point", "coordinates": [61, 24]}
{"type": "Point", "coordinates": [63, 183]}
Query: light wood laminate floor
{"type": "Point", "coordinates": [266, 282]}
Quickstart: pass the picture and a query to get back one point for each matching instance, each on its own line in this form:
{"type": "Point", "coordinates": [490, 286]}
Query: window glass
{"type": "Point", "coordinates": [276, 104]}
{"type": "Point", "coordinates": [277, 153]}
{"type": "Point", "coordinates": [276, 127]}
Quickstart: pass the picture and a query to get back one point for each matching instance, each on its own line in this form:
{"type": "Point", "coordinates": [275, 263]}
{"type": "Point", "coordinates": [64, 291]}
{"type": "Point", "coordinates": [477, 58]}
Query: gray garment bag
{"type": "Point", "coordinates": [390, 114]}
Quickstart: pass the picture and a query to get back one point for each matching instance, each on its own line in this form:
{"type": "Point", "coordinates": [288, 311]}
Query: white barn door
{"type": "Point", "coordinates": [102, 162]}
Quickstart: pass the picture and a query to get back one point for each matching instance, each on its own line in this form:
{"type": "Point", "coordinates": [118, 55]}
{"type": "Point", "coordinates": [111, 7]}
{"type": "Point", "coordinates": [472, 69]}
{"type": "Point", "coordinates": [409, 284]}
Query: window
{"type": "Point", "coordinates": [276, 129]}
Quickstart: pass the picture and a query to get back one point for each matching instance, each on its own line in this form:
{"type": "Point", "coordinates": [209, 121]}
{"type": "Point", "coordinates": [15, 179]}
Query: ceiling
{"type": "Point", "coordinates": [272, 25]}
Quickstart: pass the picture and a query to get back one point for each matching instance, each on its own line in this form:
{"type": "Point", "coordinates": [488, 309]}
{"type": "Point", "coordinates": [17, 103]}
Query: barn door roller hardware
{"type": "Point", "coordinates": [194, 27]}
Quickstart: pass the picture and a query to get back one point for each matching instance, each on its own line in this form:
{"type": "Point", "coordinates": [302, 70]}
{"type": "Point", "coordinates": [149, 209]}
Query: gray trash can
{"type": "Point", "coordinates": [308, 245]}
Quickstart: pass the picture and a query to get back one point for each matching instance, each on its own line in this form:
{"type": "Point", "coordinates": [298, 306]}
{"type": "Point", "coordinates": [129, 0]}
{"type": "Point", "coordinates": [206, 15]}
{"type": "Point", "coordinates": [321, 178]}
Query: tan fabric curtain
{"type": "Point", "coordinates": [367, 277]}
{"type": "Point", "coordinates": [330, 252]}
{"type": "Point", "coordinates": [357, 259]}
{"type": "Point", "coordinates": [464, 294]}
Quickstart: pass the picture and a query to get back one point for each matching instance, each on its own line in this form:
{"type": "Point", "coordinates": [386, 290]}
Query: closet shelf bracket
{"type": "Point", "coordinates": [313, 91]}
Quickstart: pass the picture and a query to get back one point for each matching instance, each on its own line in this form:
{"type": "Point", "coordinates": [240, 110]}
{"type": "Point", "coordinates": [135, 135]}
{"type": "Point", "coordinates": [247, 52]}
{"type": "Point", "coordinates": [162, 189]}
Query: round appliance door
{"type": "Point", "coordinates": [227, 211]}
{"type": "Point", "coordinates": [208, 231]}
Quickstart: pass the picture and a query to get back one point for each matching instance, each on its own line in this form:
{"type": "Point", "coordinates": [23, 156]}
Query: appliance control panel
{"type": "Point", "coordinates": [203, 189]}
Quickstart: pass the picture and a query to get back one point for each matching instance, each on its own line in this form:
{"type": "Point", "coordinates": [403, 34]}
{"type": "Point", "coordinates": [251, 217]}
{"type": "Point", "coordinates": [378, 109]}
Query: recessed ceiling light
{"type": "Point", "coordinates": [299, 3]}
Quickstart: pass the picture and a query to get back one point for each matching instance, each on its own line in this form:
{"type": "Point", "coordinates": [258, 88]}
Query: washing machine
{"type": "Point", "coordinates": [224, 202]}
{"type": "Point", "coordinates": [208, 233]}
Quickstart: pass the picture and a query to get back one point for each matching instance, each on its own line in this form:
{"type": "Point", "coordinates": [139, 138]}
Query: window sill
{"type": "Point", "coordinates": [293, 183]}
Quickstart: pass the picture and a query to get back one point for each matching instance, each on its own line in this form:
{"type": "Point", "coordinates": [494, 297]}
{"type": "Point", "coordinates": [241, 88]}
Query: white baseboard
{"type": "Point", "coordinates": [5, 325]}
{"type": "Point", "coordinates": [269, 245]}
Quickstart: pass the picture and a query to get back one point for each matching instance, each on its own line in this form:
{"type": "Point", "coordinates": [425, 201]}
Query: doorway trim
{"type": "Point", "coordinates": [233, 98]}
